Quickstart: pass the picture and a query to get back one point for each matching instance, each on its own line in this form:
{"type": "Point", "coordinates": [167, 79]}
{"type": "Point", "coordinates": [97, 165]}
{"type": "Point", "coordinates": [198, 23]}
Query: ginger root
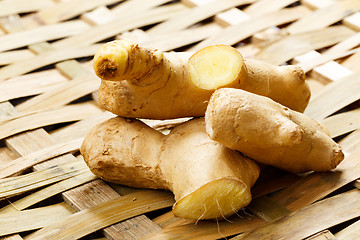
{"type": "Point", "coordinates": [144, 83]}
{"type": "Point", "coordinates": [270, 133]}
{"type": "Point", "coordinates": [209, 181]}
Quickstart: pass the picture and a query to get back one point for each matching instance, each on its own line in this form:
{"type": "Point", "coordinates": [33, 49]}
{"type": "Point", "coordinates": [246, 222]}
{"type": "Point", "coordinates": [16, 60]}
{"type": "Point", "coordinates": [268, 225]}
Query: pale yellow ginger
{"type": "Point", "coordinates": [270, 133]}
{"type": "Point", "coordinates": [209, 181]}
{"type": "Point", "coordinates": [143, 83]}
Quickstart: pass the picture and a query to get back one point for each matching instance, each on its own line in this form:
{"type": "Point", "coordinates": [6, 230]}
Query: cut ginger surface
{"type": "Point", "coordinates": [138, 82]}
{"type": "Point", "coordinates": [209, 181]}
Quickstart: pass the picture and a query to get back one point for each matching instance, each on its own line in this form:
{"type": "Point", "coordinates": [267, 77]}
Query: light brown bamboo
{"type": "Point", "coordinates": [20, 184]}
{"type": "Point", "coordinates": [61, 95]}
{"type": "Point", "coordinates": [235, 33]}
{"type": "Point", "coordinates": [48, 192]}
{"type": "Point", "coordinates": [32, 219]}
{"type": "Point", "coordinates": [352, 232]}
{"type": "Point", "coordinates": [310, 220]}
{"type": "Point", "coordinates": [30, 84]}
{"type": "Point", "coordinates": [35, 120]}
{"type": "Point", "coordinates": [105, 214]}
{"type": "Point", "coordinates": [30, 160]}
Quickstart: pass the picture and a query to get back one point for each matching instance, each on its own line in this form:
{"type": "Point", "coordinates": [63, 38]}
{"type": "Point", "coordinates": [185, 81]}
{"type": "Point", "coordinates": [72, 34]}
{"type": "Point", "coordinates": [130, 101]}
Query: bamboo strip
{"type": "Point", "coordinates": [265, 6]}
{"type": "Point", "coordinates": [324, 235]}
{"type": "Point", "coordinates": [231, 17]}
{"type": "Point", "coordinates": [28, 142]}
{"type": "Point", "coordinates": [300, 194]}
{"type": "Point", "coordinates": [97, 192]}
{"type": "Point", "coordinates": [352, 62]}
{"type": "Point", "coordinates": [324, 17]}
{"type": "Point", "coordinates": [19, 143]}
{"type": "Point", "coordinates": [208, 229]}
{"type": "Point", "coordinates": [357, 184]}
{"type": "Point", "coordinates": [326, 59]}
{"type": "Point", "coordinates": [194, 15]}
{"type": "Point", "coordinates": [40, 138]}
{"type": "Point", "coordinates": [103, 15]}
{"type": "Point", "coordinates": [6, 156]}
{"type": "Point", "coordinates": [268, 183]}
{"type": "Point", "coordinates": [30, 160]}
{"type": "Point", "coordinates": [74, 69]}
{"type": "Point", "coordinates": [62, 95]}
{"type": "Point", "coordinates": [69, 9]}
{"type": "Point", "coordinates": [315, 85]}
{"type": "Point", "coordinates": [235, 16]}
{"type": "Point", "coordinates": [32, 219]}
{"type": "Point", "coordinates": [345, 45]}
{"type": "Point", "coordinates": [283, 50]}
{"type": "Point", "coordinates": [195, 3]}
{"type": "Point", "coordinates": [174, 40]}
{"type": "Point", "coordinates": [89, 195]}
{"type": "Point", "coordinates": [80, 128]}
{"type": "Point", "coordinates": [351, 143]}
{"type": "Point", "coordinates": [30, 84]}
{"type": "Point", "coordinates": [45, 59]}
{"type": "Point", "coordinates": [225, 18]}
{"type": "Point", "coordinates": [267, 209]}
{"type": "Point", "coordinates": [15, 55]}
{"type": "Point", "coordinates": [124, 22]}
{"type": "Point", "coordinates": [235, 33]}
{"type": "Point", "coordinates": [35, 120]}
{"type": "Point", "coordinates": [342, 123]}
{"type": "Point", "coordinates": [41, 33]}
{"type": "Point", "coordinates": [93, 18]}
{"type": "Point", "coordinates": [334, 96]}
{"type": "Point", "coordinates": [22, 6]}
{"type": "Point", "coordinates": [309, 220]}
{"type": "Point", "coordinates": [40, 47]}
{"type": "Point", "coordinates": [330, 70]}
{"type": "Point", "coordinates": [20, 184]}
{"type": "Point", "coordinates": [12, 237]}
{"type": "Point", "coordinates": [6, 110]}
{"type": "Point", "coordinates": [48, 192]}
{"type": "Point", "coordinates": [11, 24]}
{"type": "Point", "coordinates": [169, 220]}
{"type": "Point", "coordinates": [319, 184]}
{"type": "Point", "coordinates": [316, 4]}
{"type": "Point", "coordinates": [104, 214]}
{"type": "Point", "coordinates": [137, 5]}
{"type": "Point", "coordinates": [67, 50]}
{"type": "Point", "coordinates": [342, 49]}
{"type": "Point", "coordinates": [353, 21]}
{"type": "Point", "coordinates": [351, 232]}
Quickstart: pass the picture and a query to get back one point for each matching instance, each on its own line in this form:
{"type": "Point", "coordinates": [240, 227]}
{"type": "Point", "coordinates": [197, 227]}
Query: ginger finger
{"type": "Point", "coordinates": [269, 132]}
{"type": "Point", "coordinates": [209, 181]}
{"type": "Point", "coordinates": [145, 83]}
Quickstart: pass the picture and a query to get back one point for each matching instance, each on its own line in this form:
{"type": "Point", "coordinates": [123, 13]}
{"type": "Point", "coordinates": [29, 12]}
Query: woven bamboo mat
{"type": "Point", "coordinates": [47, 105]}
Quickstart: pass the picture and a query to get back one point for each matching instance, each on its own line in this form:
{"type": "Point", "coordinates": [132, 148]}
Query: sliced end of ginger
{"type": "Point", "coordinates": [222, 197]}
{"type": "Point", "coordinates": [216, 66]}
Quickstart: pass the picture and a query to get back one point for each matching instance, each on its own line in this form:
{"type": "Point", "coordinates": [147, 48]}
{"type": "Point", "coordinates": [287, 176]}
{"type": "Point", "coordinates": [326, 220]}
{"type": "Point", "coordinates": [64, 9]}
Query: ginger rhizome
{"type": "Point", "coordinates": [143, 83]}
{"type": "Point", "coordinates": [209, 181]}
{"type": "Point", "coordinates": [270, 133]}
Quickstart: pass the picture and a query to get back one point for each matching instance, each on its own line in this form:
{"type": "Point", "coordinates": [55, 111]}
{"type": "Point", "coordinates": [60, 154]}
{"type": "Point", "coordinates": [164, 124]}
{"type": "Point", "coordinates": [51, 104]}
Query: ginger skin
{"type": "Point", "coordinates": [209, 181]}
{"type": "Point", "coordinates": [269, 132]}
{"type": "Point", "coordinates": [145, 83]}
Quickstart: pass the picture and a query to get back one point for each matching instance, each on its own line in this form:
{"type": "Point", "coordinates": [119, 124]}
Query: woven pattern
{"type": "Point", "coordinates": [48, 103]}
